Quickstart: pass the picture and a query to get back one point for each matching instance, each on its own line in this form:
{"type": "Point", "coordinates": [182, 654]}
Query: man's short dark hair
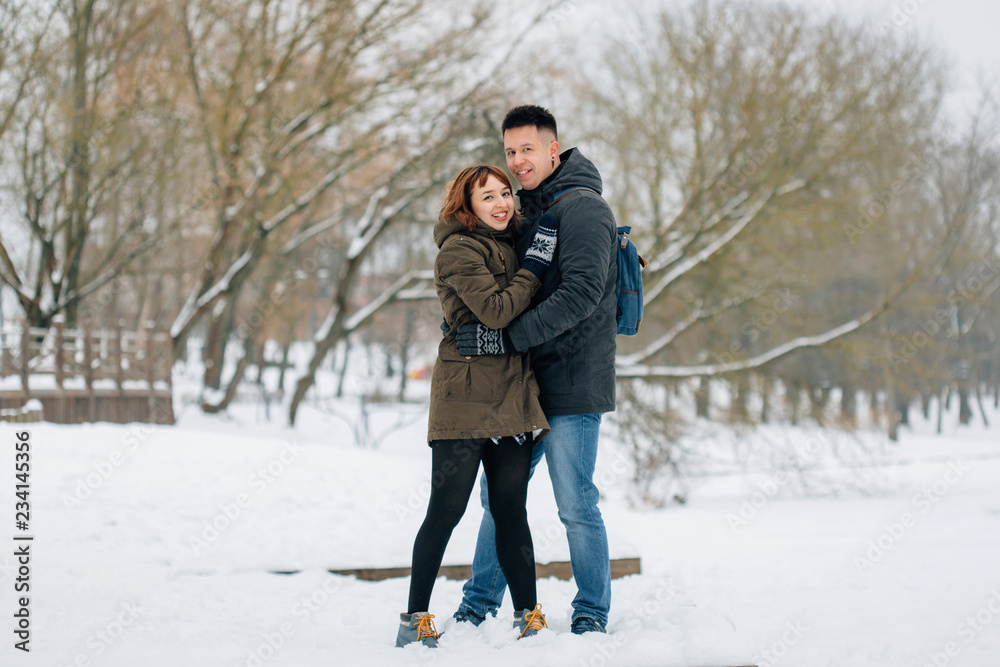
{"type": "Point", "coordinates": [530, 114]}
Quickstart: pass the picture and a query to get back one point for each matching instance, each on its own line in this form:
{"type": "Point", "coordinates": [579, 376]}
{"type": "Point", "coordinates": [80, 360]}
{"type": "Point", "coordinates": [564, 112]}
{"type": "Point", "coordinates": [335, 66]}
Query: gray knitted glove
{"type": "Point", "coordinates": [478, 339]}
{"type": "Point", "coordinates": [543, 246]}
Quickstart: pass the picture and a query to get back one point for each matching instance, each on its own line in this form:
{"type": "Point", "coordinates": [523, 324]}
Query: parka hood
{"type": "Point", "coordinates": [574, 171]}
{"type": "Point", "coordinates": [445, 227]}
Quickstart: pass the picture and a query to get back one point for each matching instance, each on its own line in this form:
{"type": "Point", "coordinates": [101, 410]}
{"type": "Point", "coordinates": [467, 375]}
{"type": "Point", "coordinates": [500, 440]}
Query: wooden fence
{"type": "Point", "coordinates": [87, 376]}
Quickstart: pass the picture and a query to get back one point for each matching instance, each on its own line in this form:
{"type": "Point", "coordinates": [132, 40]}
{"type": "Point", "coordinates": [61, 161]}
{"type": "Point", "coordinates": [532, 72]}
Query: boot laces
{"type": "Point", "coordinates": [535, 619]}
{"type": "Point", "coordinates": [425, 627]}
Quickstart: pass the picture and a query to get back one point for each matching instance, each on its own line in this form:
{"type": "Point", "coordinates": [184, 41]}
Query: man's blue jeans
{"type": "Point", "coordinates": [570, 451]}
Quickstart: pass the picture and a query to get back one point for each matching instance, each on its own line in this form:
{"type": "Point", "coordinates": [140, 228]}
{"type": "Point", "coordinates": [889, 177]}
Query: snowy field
{"type": "Point", "coordinates": [154, 546]}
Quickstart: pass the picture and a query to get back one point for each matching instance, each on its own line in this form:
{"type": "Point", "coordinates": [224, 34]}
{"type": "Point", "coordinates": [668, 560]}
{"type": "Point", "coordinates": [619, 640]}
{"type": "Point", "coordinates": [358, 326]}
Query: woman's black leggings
{"type": "Point", "coordinates": [455, 468]}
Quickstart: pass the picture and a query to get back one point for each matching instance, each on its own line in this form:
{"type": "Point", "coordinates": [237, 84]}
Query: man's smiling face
{"type": "Point", "coordinates": [532, 155]}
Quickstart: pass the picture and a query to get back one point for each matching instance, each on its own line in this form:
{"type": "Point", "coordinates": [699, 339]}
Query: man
{"type": "Point", "coordinates": [570, 331]}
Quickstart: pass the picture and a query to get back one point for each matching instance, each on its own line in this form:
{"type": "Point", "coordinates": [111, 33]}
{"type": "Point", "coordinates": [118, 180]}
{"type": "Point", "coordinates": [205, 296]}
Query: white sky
{"type": "Point", "coordinates": [967, 29]}
{"type": "Point", "coordinates": [964, 30]}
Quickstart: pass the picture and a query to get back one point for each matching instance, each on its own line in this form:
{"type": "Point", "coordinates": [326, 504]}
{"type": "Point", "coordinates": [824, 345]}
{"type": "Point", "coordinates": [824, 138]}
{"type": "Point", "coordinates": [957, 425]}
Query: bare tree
{"type": "Point", "coordinates": [783, 173]}
{"type": "Point", "coordinates": [302, 112]}
{"type": "Point", "coordinates": [453, 138]}
{"type": "Point", "coordinates": [74, 141]}
{"type": "Point", "coordinates": [741, 149]}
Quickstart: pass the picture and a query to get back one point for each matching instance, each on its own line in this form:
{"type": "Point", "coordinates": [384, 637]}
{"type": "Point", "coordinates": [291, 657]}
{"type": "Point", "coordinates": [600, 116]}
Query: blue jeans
{"type": "Point", "coordinates": [570, 451]}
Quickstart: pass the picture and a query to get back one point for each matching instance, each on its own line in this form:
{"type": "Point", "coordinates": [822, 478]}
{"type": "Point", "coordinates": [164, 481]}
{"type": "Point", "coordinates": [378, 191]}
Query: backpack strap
{"type": "Point", "coordinates": [562, 194]}
{"type": "Point", "coordinates": [625, 230]}
{"type": "Point", "coordinates": [623, 233]}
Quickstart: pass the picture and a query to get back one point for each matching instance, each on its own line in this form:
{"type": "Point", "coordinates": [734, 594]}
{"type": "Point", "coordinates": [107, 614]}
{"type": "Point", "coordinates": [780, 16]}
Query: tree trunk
{"type": "Point", "coordinates": [819, 398]}
{"type": "Point", "coordinates": [941, 407]}
{"type": "Point", "coordinates": [260, 362]}
{"type": "Point", "coordinates": [793, 396]}
{"type": "Point", "coordinates": [766, 389]}
{"type": "Point", "coordinates": [343, 369]}
{"type": "Point", "coordinates": [979, 401]}
{"type": "Point", "coordinates": [874, 407]}
{"type": "Point", "coordinates": [701, 398]}
{"type": "Point", "coordinates": [335, 332]}
{"type": "Point", "coordinates": [215, 347]}
{"type": "Point", "coordinates": [903, 410]}
{"type": "Point", "coordinates": [404, 349]}
{"type": "Point", "coordinates": [848, 406]}
{"type": "Point", "coordinates": [964, 409]}
{"type": "Point", "coordinates": [75, 231]}
{"type": "Point", "coordinates": [249, 354]}
{"type": "Point", "coordinates": [281, 371]}
{"type": "Point", "coordinates": [892, 415]}
{"type": "Point", "coordinates": [740, 390]}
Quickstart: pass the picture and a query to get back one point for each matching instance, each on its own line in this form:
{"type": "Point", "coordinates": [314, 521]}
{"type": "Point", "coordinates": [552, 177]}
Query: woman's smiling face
{"type": "Point", "coordinates": [493, 203]}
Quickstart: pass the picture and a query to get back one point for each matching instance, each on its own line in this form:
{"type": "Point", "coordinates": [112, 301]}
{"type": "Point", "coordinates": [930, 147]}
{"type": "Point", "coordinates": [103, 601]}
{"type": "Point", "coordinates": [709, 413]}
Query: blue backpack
{"type": "Point", "coordinates": [630, 265]}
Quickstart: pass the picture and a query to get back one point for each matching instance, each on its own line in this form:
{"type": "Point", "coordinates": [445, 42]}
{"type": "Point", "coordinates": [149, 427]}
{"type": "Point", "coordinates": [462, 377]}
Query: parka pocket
{"type": "Point", "coordinates": [472, 379]}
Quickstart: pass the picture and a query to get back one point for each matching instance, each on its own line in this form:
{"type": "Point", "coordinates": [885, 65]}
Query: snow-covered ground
{"type": "Point", "coordinates": [155, 546]}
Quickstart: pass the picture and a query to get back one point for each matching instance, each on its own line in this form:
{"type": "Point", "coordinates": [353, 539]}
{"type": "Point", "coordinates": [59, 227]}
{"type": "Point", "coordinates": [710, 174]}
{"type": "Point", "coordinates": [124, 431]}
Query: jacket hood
{"type": "Point", "coordinates": [574, 171]}
{"type": "Point", "coordinates": [445, 227]}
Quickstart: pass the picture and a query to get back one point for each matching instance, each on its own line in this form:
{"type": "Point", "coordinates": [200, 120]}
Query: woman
{"type": "Point", "coordinates": [483, 408]}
